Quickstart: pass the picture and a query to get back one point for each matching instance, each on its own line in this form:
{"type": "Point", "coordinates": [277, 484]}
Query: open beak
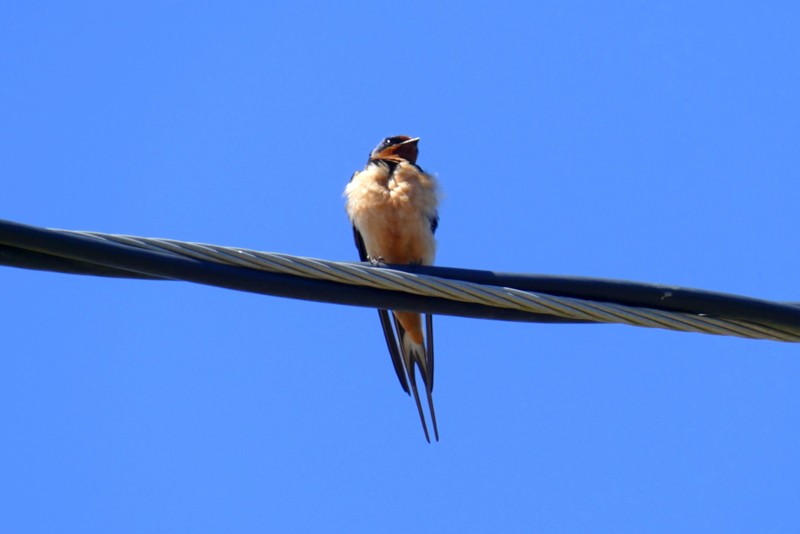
{"type": "Point", "coordinates": [407, 150]}
{"type": "Point", "coordinates": [410, 141]}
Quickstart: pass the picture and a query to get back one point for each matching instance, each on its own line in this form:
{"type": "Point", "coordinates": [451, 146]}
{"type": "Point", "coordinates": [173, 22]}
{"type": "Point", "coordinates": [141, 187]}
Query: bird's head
{"type": "Point", "coordinates": [397, 148]}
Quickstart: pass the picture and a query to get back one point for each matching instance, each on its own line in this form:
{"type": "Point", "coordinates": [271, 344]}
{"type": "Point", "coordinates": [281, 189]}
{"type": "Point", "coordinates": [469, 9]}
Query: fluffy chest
{"type": "Point", "coordinates": [393, 212]}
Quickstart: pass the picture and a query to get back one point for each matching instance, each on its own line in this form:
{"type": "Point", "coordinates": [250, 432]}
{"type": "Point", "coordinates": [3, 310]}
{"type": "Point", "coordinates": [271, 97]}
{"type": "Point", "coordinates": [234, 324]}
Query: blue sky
{"type": "Point", "coordinates": [618, 140]}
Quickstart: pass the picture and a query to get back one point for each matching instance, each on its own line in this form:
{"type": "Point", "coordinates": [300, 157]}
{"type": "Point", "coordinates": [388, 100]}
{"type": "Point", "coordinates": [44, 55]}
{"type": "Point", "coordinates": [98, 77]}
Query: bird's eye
{"type": "Point", "coordinates": [387, 141]}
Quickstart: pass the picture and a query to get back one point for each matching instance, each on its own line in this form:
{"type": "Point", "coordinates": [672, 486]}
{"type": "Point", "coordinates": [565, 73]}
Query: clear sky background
{"type": "Point", "coordinates": [655, 144]}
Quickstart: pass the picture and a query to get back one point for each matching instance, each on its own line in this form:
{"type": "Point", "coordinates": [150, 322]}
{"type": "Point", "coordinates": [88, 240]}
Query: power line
{"type": "Point", "coordinates": [438, 290]}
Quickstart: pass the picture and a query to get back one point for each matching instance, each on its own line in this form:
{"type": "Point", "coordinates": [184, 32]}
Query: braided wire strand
{"type": "Point", "coordinates": [419, 284]}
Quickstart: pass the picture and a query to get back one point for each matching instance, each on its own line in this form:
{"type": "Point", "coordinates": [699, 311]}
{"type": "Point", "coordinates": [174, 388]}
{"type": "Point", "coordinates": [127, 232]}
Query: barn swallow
{"type": "Point", "coordinates": [392, 204]}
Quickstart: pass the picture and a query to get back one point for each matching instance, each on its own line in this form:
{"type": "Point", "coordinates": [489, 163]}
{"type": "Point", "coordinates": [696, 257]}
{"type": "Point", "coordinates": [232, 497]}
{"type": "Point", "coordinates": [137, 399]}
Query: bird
{"type": "Point", "coordinates": [393, 207]}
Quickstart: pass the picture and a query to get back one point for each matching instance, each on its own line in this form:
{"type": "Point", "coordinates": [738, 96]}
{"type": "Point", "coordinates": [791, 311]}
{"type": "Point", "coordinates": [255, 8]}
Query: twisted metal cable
{"type": "Point", "coordinates": [419, 284]}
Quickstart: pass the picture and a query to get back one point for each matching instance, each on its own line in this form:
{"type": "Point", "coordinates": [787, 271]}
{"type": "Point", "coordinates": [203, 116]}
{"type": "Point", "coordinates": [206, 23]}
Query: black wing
{"type": "Point", "coordinates": [386, 323]}
{"type": "Point", "coordinates": [362, 250]}
{"type": "Point", "coordinates": [428, 317]}
{"type": "Point", "coordinates": [394, 352]}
